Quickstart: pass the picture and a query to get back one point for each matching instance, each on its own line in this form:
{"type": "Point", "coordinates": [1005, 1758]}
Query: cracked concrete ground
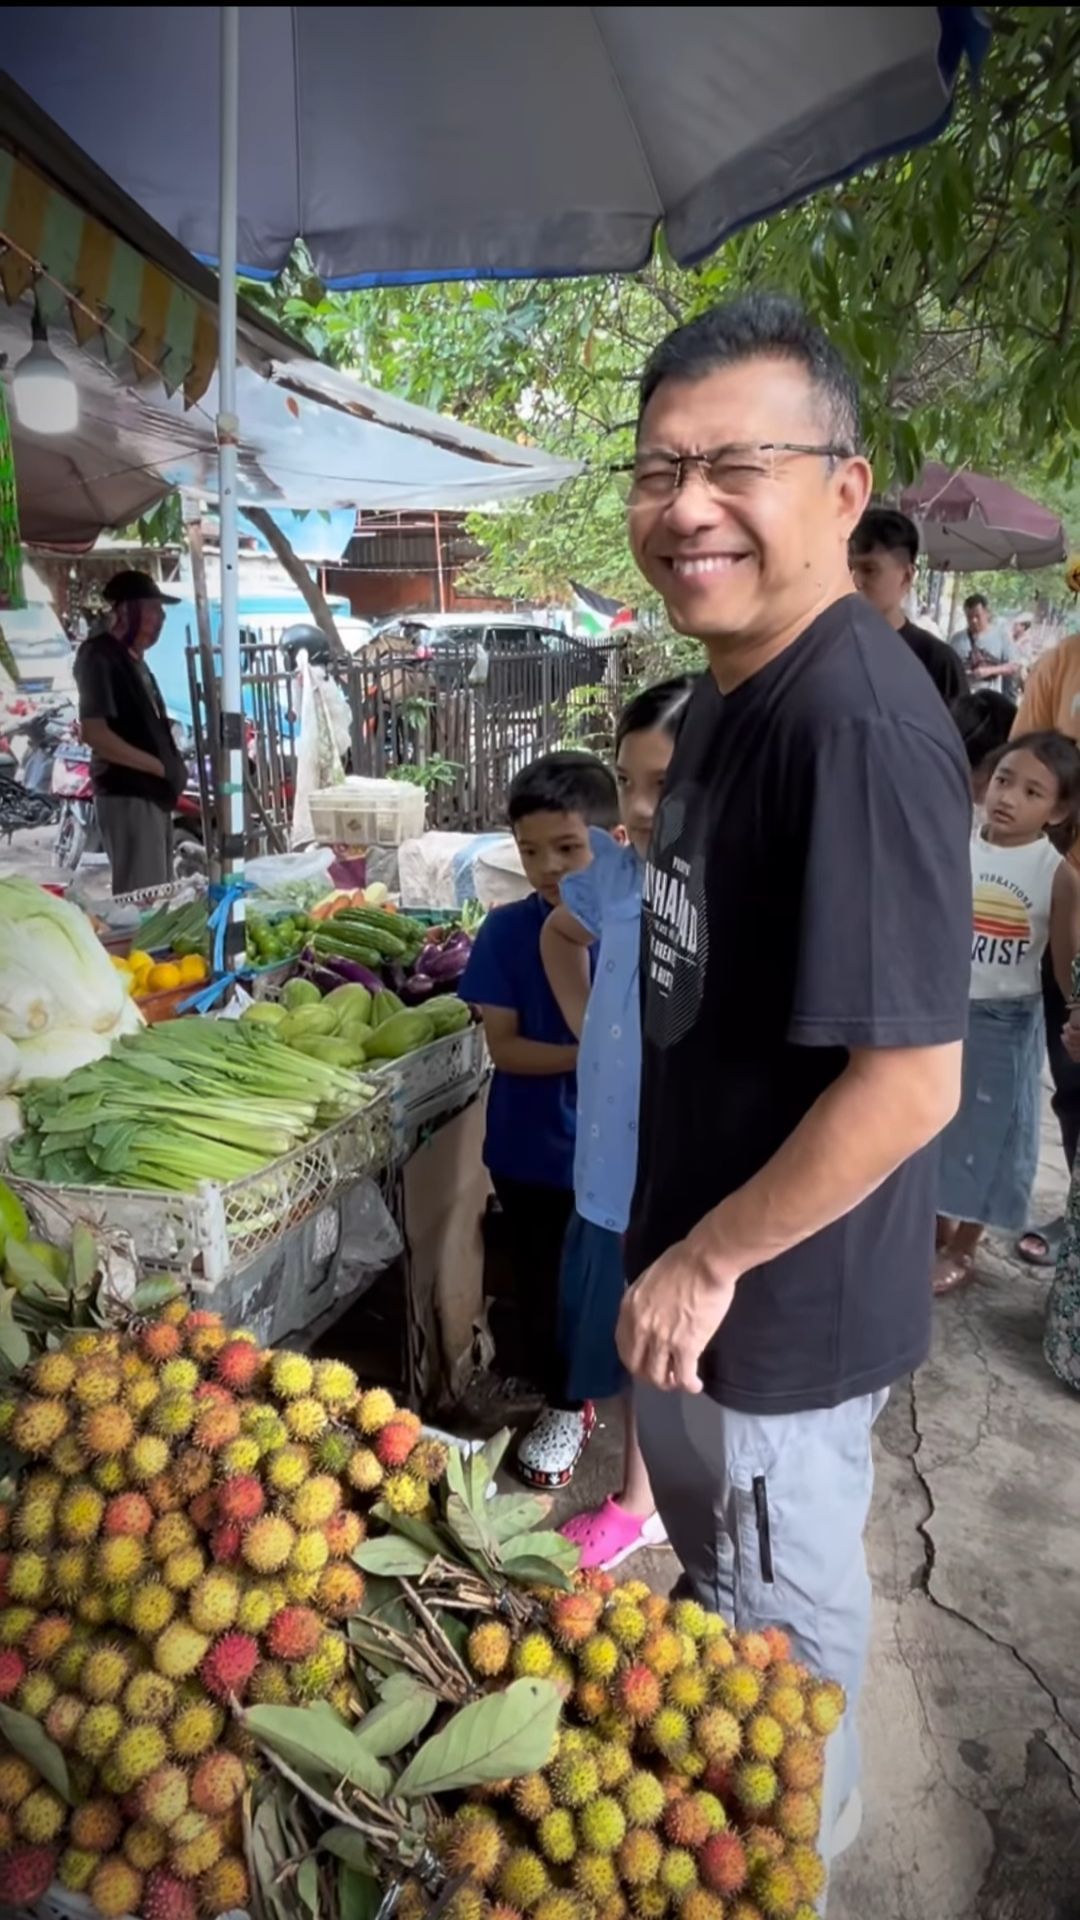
{"type": "Point", "coordinates": [971, 1713]}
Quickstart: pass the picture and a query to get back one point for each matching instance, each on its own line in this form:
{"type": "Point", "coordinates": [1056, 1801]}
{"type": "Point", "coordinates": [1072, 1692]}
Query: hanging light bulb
{"type": "Point", "coordinates": [45, 395]}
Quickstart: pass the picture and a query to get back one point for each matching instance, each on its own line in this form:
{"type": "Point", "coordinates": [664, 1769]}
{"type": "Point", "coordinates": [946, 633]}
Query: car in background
{"type": "Point", "coordinates": [513, 658]}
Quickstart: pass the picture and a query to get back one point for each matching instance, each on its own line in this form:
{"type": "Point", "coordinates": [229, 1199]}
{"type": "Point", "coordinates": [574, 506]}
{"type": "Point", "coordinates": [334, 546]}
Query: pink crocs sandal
{"type": "Point", "coordinates": [552, 1448]}
{"type": "Point", "coordinates": [608, 1535]}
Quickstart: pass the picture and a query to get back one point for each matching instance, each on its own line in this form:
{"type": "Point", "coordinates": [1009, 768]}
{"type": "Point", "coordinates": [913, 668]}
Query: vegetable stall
{"type": "Point", "coordinates": [267, 1136]}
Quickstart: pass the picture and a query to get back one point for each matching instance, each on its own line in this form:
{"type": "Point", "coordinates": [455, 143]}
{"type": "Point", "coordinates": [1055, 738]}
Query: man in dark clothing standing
{"type": "Point", "coordinates": [137, 770]}
{"type": "Point", "coordinates": [805, 965]}
{"type": "Point", "coordinates": [883, 550]}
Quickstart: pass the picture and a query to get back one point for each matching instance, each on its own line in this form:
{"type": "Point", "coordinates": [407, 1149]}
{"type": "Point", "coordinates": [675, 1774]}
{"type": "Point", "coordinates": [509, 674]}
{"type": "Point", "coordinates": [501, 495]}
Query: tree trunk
{"type": "Point", "coordinates": [314, 597]}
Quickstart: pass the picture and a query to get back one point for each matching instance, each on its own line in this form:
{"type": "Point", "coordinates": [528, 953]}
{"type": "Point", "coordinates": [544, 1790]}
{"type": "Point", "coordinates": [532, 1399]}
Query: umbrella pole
{"type": "Point", "coordinates": [231, 759]}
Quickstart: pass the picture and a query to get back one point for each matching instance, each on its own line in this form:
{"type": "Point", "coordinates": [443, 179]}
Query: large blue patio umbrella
{"type": "Point", "coordinates": [429, 142]}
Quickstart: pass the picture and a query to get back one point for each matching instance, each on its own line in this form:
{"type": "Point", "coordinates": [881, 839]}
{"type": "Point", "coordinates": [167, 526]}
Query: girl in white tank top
{"type": "Point", "coordinates": [1025, 898]}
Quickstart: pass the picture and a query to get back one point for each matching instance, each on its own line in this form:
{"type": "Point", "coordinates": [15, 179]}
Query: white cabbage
{"type": "Point", "coordinates": [53, 968]}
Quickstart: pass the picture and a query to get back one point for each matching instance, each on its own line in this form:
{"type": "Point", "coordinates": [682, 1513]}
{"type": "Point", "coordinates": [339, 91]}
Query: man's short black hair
{"type": "Point", "coordinates": [567, 782]}
{"type": "Point", "coordinates": [759, 326]}
{"type": "Point", "coordinates": [888, 528]}
{"type": "Point", "coordinates": [976, 600]}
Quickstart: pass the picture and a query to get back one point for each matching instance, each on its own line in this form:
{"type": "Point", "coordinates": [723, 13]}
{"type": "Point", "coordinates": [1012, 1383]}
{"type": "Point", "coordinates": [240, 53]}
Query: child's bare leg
{"type": "Point", "coordinates": [965, 1240]}
{"type": "Point", "coordinates": [943, 1232]}
{"type": "Point", "coordinates": [637, 1495]}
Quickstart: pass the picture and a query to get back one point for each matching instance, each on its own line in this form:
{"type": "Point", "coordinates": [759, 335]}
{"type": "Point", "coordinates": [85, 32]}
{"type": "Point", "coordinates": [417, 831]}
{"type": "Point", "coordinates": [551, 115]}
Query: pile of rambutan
{"type": "Point", "coordinates": [180, 1543]}
{"type": "Point", "coordinates": [686, 1781]}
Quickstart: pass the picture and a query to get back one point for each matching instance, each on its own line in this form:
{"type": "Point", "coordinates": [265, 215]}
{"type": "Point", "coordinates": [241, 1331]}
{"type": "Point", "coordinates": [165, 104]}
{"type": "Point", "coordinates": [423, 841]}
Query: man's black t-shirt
{"type": "Point", "coordinates": [116, 685]}
{"type": "Point", "coordinates": [940, 661]}
{"type": "Point", "coordinates": [808, 892]}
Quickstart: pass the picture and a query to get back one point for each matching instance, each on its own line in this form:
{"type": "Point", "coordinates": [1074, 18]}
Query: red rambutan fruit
{"type": "Point", "coordinates": [573, 1617]}
{"type": "Point", "coordinates": [128, 1513]}
{"type": "Point", "coordinates": [217, 1424]}
{"type": "Point", "coordinates": [217, 1783]}
{"type": "Point", "coordinates": [779, 1642]}
{"type": "Point", "coordinates": [395, 1442]}
{"type": "Point", "coordinates": [638, 1692]}
{"type": "Point", "coordinates": [202, 1511]}
{"type": "Point", "coordinates": [12, 1669]}
{"type": "Point", "coordinates": [294, 1633]}
{"type": "Point", "coordinates": [226, 1542]}
{"type": "Point", "coordinates": [229, 1665]}
{"type": "Point", "coordinates": [722, 1863]}
{"type": "Point", "coordinates": [28, 1875]}
{"type": "Point", "coordinates": [242, 1498]}
{"type": "Point", "coordinates": [160, 1341]}
{"type": "Point", "coordinates": [237, 1365]}
{"type": "Point", "coordinates": [167, 1898]}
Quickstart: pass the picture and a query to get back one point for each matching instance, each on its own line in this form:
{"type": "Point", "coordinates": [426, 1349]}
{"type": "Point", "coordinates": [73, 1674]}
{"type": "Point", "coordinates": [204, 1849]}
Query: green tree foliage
{"type": "Point", "coordinates": [949, 276]}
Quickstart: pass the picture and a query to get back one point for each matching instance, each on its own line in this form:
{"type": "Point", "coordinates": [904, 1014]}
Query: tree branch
{"type": "Point", "coordinates": [313, 595]}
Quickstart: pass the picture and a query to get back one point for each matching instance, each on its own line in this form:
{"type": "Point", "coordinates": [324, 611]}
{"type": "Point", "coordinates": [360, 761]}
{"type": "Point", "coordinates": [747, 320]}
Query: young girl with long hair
{"type": "Point", "coordinates": [1026, 897]}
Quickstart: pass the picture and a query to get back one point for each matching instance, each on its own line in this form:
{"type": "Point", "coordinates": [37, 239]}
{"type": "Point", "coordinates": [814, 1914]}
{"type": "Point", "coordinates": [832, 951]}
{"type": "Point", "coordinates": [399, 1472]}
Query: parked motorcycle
{"type": "Point", "coordinates": [43, 732]}
{"type": "Point", "coordinates": [78, 830]}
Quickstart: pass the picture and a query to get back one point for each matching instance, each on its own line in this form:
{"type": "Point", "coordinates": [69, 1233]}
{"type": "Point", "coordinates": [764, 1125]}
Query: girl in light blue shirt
{"type": "Point", "coordinates": [601, 906]}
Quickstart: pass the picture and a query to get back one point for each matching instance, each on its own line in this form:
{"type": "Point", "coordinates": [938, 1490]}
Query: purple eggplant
{"type": "Point", "coordinates": [418, 986]}
{"type": "Point", "coordinates": [447, 960]}
{"type": "Point", "coordinates": [394, 977]}
{"type": "Point", "coordinates": [337, 973]}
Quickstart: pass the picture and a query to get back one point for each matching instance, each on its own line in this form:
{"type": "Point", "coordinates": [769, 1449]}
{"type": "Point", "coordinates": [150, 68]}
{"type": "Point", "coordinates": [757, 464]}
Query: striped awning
{"type": "Point", "coordinates": [144, 323]}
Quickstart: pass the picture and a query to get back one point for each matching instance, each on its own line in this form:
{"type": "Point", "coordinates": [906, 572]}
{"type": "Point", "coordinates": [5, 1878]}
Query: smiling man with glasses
{"type": "Point", "coordinates": [806, 964]}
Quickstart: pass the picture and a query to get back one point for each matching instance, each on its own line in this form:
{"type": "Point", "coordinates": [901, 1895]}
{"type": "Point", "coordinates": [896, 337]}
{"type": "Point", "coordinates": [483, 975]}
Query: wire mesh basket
{"type": "Point", "coordinates": [205, 1235]}
{"type": "Point", "coordinates": [435, 1080]}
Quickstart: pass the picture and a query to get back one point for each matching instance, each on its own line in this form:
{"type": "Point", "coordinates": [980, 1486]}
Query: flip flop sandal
{"type": "Point", "coordinates": [951, 1273]}
{"type": "Point", "coordinates": [552, 1448]}
{"type": "Point", "coordinates": [1051, 1236]}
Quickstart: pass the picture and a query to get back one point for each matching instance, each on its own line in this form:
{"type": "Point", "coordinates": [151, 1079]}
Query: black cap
{"type": "Point", "coordinates": [131, 585]}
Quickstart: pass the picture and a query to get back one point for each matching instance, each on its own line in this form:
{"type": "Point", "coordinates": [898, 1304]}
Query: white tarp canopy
{"type": "Point", "coordinates": [433, 141]}
{"type": "Point", "coordinates": [309, 438]}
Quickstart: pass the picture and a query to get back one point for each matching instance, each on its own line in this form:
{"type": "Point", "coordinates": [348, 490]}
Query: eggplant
{"type": "Point", "coordinates": [447, 961]}
{"type": "Point", "coordinates": [418, 986]}
{"type": "Point", "coordinates": [328, 974]}
{"type": "Point", "coordinates": [394, 977]}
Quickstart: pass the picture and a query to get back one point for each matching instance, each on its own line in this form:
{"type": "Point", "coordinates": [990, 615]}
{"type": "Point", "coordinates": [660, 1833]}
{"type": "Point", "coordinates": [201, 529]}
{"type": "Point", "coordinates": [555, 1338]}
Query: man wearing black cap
{"type": "Point", "coordinates": [135, 766]}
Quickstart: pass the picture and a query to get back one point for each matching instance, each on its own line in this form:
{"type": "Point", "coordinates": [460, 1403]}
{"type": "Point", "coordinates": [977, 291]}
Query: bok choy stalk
{"type": "Point", "coordinates": [175, 1104]}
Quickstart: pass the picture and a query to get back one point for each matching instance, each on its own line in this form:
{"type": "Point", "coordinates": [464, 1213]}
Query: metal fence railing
{"type": "Point", "coordinates": [451, 718]}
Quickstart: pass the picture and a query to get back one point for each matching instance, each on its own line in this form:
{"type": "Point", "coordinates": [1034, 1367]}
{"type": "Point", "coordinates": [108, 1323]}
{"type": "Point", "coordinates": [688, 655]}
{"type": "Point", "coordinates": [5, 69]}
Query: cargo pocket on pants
{"type": "Point", "coordinates": [756, 1546]}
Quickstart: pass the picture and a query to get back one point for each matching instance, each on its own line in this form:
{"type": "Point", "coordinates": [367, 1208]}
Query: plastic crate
{"type": "Point", "coordinates": [368, 813]}
{"type": "Point", "coordinates": [435, 1080]}
{"type": "Point", "coordinates": [218, 1229]}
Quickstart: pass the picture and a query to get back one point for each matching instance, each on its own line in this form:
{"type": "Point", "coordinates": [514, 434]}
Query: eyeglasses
{"type": "Point", "coordinates": [727, 472]}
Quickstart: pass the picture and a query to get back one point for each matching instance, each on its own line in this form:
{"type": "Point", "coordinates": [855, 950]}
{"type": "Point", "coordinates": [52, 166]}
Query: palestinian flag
{"type": "Point", "coordinates": [597, 614]}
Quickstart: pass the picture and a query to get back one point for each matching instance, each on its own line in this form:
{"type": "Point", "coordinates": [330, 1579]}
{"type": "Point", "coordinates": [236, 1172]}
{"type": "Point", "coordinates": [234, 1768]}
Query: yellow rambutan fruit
{"type": "Point", "coordinates": [335, 1383]}
{"type": "Point", "coordinates": [69, 1571]}
{"type": "Point", "coordinates": [110, 1475]}
{"type": "Point", "coordinates": [763, 1737]}
{"type": "Point", "coordinates": [785, 1704]}
{"type": "Point", "coordinates": [39, 1818]}
{"type": "Point", "coordinates": [306, 1418]}
{"type": "Point", "coordinates": [163, 1797]}
{"type": "Point", "coordinates": [531, 1796]}
{"type": "Point", "coordinates": [661, 1650]}
{"type": "Point", "coordinates": [776, 1889]}
{"type": "Point", "coordinates": [68, 1663]}
{"type": "Point", "coordinates": [195, 1728]}
{"type": "Point", "coordinates": [28, 1577]}
{"type": "Point", "coordinates": [63, 1717]}
{"type": "Point", "coordinates": [614, 1763]}
{"type": "Point", "coordinates": [224, 1887]}
{"type": "Point", "coordinates": [182, 1570]}
{"type": "Point", "coordinates": [270, 1685]}
{"type": "Point", "coordinates": [171, 1533]}
{"type": "Point", "coordinates": [96, 1732]}
{"type": "Point", "coordinates": [107, 1431]}
{"type": "Point", "coordinates": [739, 1688]}
{"type": "Point", "coordinates": [364, 1471]}
{"type": "Point", "coordinates": [310, 1552]}
{"type": "Point", "coordinates": [149, 1696]}
{"type": "Point", "coordinates": [754, 1650]}
{"type": "Point", "coordinates": [474, 1844]}
{"type": "Point", "coordinates": [139, 1396]}
{"type": "Point", "coordinates": [147, 1459]}
{"type": "Point", "coordinates": [15, 1625]}
{"type": "Point", "coordinates": [268, 1543]}
{"type": "Point", "coordinates": [522, 1879]}
{"type": "Point", "coordinates": [574, 1778]}
{"type": "Point", "coordinates": [598, 1658]}
{"type": "Point", "coordinates": [35, 1695]}
{"type": "Point", "coordinates": [96, 1383]}
{"type": "Point", "coordinates": [50, 1633]}
{"type": "Point", "coordinates": [626, 1624]}
{"type": "Point", "coordinates": [825, 1706]}
{"type": "Point", "coordinates": [205, 1343]}
{"type": "Point", "coordinates": [810, 1871]}
{"type": "Point", "coordinates": [669, 1731]}
{"type": "Point", "coordinates": [180, 1375]}
{"type": "Point", "coordinates": [115, 1887]}
{"type": "Point", "coordinates": [755, 1785]}
{"type": "Point", "coordinates": [75, 1869]}
{"type": "Point", "coordinates": [403, 1493]}
{"type": "Point", "coordinates": [639, 1858]}
{"type": "Point", "coordinates": [214, 1601]}
{"type": "Point", "coordinates": [340, 1590]}
{"type": "Point", "coordinates": [602, 1824]}
{"type": "Point", "coordinates": [144, 1846]}
{"type": "Point", "coordinates": [17, 1779]}
{"type": "Point", "coordinates": [288, 1468]}
{"type": "Point", "coordinates": [68, 1457]}
{"type": "Point", "coordinates": [138, 1753]}
{"type": "Point", "coordinates": [291, 1375]}
{"type": "Point", "coordinates": [104, 1673]}
{"type": "Point", "coordinates": [801, 1765]}
{"type": "Point", "coordinates": [596, 1877]}
{"type": "Point", "coordinates": [688, 1689]}
{"type": "Point", "coordinates": [152, 1607]}
{"type": "Point", "coordinates": [52, 1374]}
{"type": "Point", "coordinates": [179, 1649]}
{"type": "Point", "coordinates": [173, 1415]}
{"type": "Point", "coordinates": [92, 1608]}
{"type": "Point", "coordinates": [195, 1845]}
{"type": "Point", "coordinates": [314, 1502]}
{"type": "Point", "coordinates": [374, 1409]}
{"type": "Point", "coordinates": [241, 1456]}
{"type": "Point", "coordinates": [119, 1559]}
{"type": "Point", "coordinates": [254, 1610]}
{"type": "Point", "coordinates": [489, 1647]}
{"type": "Point", "coordinates": [717, 1734]}
{"type": "Point", "coordinates": [33, 1522]}
{"type": "Point", "coordinates": [533, 1656]}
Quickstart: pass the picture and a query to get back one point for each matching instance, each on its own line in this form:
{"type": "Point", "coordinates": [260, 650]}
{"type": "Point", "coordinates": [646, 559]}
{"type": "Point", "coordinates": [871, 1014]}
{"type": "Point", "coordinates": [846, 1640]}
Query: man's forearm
{"type": "Point", "coordinates": [108, 745]}
{"type": "Point", "coordinates": [884, 1107]}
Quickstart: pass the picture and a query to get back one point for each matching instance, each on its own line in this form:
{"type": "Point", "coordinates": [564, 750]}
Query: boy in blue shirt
{"type": "Point", "coordinates": [531, 1123]}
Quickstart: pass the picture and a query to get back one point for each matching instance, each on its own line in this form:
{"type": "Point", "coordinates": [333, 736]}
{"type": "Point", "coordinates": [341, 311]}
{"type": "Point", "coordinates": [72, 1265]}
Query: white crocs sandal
{"type": "Point", "coordinates": [552, 1448]}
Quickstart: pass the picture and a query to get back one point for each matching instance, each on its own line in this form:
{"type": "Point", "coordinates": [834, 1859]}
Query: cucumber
{"type": "Point", "coordinates": [380, 938]}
